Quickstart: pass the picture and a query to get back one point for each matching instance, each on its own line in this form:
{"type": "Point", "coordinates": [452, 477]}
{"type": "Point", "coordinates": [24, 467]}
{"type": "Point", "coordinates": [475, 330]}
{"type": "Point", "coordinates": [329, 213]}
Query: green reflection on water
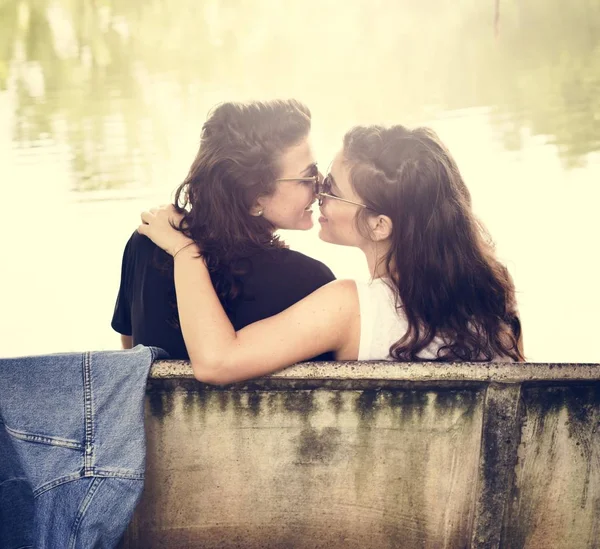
{"type": "Point", "coordinates": [113, 79]}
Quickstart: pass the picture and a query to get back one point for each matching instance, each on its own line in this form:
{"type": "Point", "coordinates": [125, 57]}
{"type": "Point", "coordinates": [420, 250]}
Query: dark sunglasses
{"type": "Point", "coordinates": [314, 179]}
{"type": "Point", "coordinates": [325, 192]}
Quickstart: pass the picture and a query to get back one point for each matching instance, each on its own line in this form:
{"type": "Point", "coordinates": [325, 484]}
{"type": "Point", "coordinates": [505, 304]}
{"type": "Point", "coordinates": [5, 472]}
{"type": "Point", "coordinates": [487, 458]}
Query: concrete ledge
{"type": "Point", "coordinates": [499, 372]}
{"type": "Point", "coordinates": [373, 455]}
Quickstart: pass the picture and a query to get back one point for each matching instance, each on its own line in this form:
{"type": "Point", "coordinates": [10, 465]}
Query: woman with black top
{"type": "Point", "coordinates": [254, 173]}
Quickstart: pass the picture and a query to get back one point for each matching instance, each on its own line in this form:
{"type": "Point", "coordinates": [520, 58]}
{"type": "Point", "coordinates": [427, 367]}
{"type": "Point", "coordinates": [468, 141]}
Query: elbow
{"type": "Point", "coordinates": [212, 372]}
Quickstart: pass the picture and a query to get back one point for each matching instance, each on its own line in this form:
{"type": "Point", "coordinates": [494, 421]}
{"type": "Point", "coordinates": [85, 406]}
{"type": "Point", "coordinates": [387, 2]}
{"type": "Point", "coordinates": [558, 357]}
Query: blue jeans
{"type": "Point", "coordinates": [16, 499]}
{"type": "Point", "coordinates": [76, 423]}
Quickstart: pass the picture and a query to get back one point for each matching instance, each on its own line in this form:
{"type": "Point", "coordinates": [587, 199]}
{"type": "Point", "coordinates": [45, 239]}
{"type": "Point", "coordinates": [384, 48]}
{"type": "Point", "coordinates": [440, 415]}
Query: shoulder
{"type": "Point", "coordinates": [285, 276]}
{"type": "Point", "coordinates": [140, 246]}
{"type": "Point", "coordinates": [337, 299]}
{"type": "Point", "coordinates": [139, 241]}
{"type": "Point", "coordinates": [377, 299]}
{"type": "Point", "coordinates": [301, 264]}
{"type": "Point", "coordinates": [343, 291]}
{"type": "Point", "coordinates": [140, 256]}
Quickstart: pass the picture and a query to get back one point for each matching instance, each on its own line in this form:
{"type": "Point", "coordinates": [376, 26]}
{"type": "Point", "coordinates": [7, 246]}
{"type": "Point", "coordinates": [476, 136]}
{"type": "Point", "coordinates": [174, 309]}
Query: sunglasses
{"type": "Point", "coordinates": [314, 179]}
{"type": "Point", "coordinates": [326, 192]}
{"type": "Point", "coordinates": [322, 188]}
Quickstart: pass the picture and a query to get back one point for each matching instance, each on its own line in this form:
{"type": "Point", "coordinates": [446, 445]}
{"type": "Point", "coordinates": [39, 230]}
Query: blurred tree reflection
{"type": "Point", "coordinates": [115, 79]}
{"type": "Point", "coordinates": [544, 74]}
{"type": "Point", "coordinates": [82, 70]}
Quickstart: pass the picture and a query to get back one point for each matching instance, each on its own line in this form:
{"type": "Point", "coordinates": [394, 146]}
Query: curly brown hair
{"type": "Point", "coordinates": [237, 162]}
{"type": "Point", "coordinates": [441, 261]}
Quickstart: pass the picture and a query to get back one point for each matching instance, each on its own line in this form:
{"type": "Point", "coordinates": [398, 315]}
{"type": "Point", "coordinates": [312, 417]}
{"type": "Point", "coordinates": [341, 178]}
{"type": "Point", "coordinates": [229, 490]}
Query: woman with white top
{"type": "Point", "coordinates": [437, 291]}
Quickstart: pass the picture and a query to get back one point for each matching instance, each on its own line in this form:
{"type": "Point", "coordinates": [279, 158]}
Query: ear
{"type": "Point", "coordinates": [259, 206]}
{"type": "Point", "coordinates": [381, 227]}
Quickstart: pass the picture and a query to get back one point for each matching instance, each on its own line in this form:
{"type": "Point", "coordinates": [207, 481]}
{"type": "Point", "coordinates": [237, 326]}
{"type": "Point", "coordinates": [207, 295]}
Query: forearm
{"type": "Point", "coordinates": [327, 319]}
{"type": "Point", "coordinates": [126, 341]}
{"type": "Point", "coordinates": [207, 331]}
{"type": "Point", "coordinates": [219, 355]}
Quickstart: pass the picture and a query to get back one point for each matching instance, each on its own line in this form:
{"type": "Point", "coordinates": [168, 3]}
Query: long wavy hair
{"type": "Point", "coordinates": [237, 162]}
{"type": "Point", "coordinates": [441, 261]}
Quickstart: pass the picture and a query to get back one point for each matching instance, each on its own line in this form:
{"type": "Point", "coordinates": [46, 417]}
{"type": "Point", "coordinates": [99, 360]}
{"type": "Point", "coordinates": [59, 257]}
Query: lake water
{"type": "Point", "coordinates": [101, 106]}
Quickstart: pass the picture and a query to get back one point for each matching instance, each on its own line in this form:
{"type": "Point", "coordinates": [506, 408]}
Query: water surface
{"type": "Point", "coordinates": [101, 105]}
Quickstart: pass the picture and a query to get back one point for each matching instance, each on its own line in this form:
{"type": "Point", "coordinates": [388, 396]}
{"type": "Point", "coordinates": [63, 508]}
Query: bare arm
{"type": "Point", "coordinates": [326, 320]}
{"type": "Point", "coordinates": [126, 341]}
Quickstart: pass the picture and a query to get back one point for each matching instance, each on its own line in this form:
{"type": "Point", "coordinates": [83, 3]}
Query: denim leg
{"type": "Point", "coordinates": [76, 424]}
{"type": "Point", "coordinates": [16, 499]}
{"type": "Point", "coordinates": [86, 513]}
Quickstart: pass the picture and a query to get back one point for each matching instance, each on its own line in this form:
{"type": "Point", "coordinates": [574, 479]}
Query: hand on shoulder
{"type": "Point", "coordinates": [158, 224]}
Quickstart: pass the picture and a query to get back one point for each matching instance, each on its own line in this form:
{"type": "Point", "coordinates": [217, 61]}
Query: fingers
{"type": "Point", "coordinates": [148, 216]}
{"type": "Point", "coordinates": [166, 212]}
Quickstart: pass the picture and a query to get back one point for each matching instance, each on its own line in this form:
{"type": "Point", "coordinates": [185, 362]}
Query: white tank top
{"type": "Point", "coordinates": [381, 325]}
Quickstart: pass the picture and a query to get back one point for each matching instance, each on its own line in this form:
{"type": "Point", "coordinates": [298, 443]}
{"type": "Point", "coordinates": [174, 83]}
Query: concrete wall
{"type": "Point", "coordinates": [374, 455]}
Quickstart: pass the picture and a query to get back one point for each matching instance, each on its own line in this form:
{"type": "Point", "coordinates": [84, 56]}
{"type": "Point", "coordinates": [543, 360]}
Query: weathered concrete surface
{"type": "Point", "coordinates": [499, 372]}
{"type": "Point", "coordinates": [369, 455]}
{"type": "Point", "coordinates": [499, 442]}
{"type": "Point", "coordinates": [556, 495]}
{"type": "Point", "coordinates": [310, 469]}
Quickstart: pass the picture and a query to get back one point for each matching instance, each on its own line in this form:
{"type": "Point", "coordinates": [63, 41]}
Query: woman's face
{"type": "Point", "coordinates": [337, 219]}
{"type": "Point", "coordinates": [290, 205]}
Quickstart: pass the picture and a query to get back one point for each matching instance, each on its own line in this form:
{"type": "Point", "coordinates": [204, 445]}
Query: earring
{"type": "Point", "coordinates": [259, 213]}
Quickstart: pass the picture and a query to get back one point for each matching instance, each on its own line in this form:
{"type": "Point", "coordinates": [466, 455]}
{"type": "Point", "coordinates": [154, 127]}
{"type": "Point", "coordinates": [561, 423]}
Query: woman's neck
{"type": "Point", "coordinates": [376, 252]}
